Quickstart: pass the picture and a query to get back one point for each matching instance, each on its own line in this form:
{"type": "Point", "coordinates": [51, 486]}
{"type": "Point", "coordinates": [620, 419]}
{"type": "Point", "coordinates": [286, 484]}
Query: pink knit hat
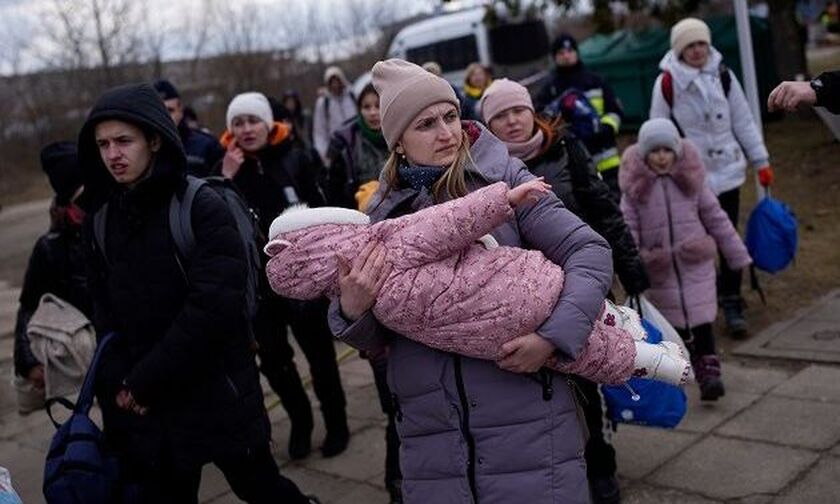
{"type": "Point", "coordinates": [405, 89]}
{"type": "Point", "coordinates": [502, 95]}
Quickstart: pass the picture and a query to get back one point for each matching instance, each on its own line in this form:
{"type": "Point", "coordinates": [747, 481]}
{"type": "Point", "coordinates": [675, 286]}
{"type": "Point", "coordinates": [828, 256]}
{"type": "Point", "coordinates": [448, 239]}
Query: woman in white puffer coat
{"type": "Point", "coordinates": [707, 103]}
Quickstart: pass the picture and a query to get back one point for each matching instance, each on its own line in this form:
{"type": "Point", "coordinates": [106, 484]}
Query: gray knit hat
{"type": "Point", "coordinates": [405, 89]}
{"type": "Point", "coordinates": [659, 133]}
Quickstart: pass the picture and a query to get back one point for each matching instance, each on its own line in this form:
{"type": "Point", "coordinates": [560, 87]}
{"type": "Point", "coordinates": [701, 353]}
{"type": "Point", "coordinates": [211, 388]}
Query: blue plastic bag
{"type": "Point", "coordinates": [646, 402]}
{"type": "Point", "coordinates": [772, 235]}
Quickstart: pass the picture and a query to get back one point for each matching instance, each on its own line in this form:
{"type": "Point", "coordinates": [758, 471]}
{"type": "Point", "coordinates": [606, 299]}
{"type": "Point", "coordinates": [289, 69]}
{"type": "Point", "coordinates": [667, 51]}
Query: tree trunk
{"type": "Point", "coordinates": [788, 39]}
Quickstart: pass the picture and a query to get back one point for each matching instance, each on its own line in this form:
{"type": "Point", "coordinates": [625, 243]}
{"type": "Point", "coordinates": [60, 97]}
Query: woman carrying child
{"type": "Point", "coordinates": [475, 430]}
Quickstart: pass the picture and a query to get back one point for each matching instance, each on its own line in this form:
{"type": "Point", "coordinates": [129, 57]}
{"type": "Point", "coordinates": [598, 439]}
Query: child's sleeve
{"type": "Point", "coordinates": [608, 356]}
{"type": "Point", "coordinates": [442, 230]}
{"type": "Point", "coordinates": [718, 225]}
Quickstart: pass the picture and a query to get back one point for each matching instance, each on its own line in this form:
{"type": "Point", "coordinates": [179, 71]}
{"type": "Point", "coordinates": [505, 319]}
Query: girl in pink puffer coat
{"type": "Point", "coordinates": [678, 226]}
{"type": "Point", "coordinates": [449, 292]}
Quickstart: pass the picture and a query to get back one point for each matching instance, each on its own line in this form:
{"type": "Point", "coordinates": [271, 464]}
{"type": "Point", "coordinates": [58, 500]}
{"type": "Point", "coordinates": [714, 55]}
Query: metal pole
{"type": "Point", "coordinates": [745, 49]}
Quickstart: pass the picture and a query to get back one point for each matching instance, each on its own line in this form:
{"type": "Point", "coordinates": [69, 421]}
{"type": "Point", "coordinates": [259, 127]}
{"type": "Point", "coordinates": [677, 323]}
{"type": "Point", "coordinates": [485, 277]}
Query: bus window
{"type": "Point", "coordinates": [512, 44]}
{"type": "Point", "coordinates": [452, 54]}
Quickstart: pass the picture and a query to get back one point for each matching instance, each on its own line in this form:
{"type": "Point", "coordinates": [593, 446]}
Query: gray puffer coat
{"type": "Point", "coordinates": [470, 431]}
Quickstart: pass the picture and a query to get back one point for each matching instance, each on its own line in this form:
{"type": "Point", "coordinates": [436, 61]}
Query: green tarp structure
{"type": "Point", "coordinates": [629, 61]}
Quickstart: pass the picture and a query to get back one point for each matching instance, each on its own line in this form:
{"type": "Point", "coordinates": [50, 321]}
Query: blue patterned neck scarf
{"type": "Point", "coordinates": [418, 177]}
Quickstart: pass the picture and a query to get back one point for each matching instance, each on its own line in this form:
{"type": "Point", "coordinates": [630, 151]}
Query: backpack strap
{"type": "Point", "coordinates": [725, 79]}
{"type": "Point", "coordinates": [667, 85]}
{"type": "Point", "coordinates": [100, 221]}
{"type": "Point", "coordinates": [180, 217]}
{"type": "Point", "coordinates": [85, 399]}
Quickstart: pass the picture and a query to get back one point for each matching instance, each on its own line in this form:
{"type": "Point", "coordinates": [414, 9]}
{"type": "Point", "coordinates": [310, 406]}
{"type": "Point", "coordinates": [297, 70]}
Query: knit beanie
{"type": "Point", "coordinates": [688, 31]}
{"type": "Point", "coordinates": [502, 95]}
{"type": "Point", "coordinates": [166, 89]}
{"type": "Point", "coordinates": [255, 104]}
{"type": "Point", "coordinates": [659, 132]}
{"type": "Point", "coordinates": [405, 90]}
{"type": "Point", "coordinates": [61, 164]}
{"type": "Point", "coordinates": [564, 41]}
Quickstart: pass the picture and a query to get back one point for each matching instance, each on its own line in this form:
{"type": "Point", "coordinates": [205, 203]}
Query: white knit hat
{"type": "Point", "coordinates": [688, 31]}
{"type": "Point", "coordinates": [255, 104]}
{"type": "Point", "coordinates": [659, 132]}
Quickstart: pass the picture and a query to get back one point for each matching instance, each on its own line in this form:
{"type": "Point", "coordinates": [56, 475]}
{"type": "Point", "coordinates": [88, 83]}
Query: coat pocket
{"type": "Point", "coordinates": [697, 250]}
{"type": "Point", "coordinates": [657, 263]}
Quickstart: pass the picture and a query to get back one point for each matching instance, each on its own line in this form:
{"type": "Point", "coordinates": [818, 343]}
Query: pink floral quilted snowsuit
{"type": "Point", "coordinates": [446, 289]}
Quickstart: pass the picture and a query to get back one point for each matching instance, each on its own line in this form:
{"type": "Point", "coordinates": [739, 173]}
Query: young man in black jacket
{"type": "Point", "coordinates": [179, 386]}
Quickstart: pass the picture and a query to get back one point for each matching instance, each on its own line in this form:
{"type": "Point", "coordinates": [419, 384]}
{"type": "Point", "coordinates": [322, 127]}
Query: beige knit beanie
{"type": "Point", "coordinates": [502, 95]}
{"type": "Point", "coordinates": [405, 90]}
{"type": "Point", "coordinates": [688, 31]}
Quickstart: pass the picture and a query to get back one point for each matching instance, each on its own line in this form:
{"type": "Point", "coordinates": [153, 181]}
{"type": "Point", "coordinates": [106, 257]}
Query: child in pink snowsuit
{"type": "Point", "coordinates": [453, 288]}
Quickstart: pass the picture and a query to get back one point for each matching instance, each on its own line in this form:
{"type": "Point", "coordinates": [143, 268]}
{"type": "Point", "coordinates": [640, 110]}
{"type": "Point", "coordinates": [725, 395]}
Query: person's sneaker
{"type": "Point", "coordinates": [736, 324]}
{"type": "Point", "coordinates": [605, 490]}
{"type": "Point", "coordinates": [29, 397]}
{"type": "Point", "coordinates": [707, 373]}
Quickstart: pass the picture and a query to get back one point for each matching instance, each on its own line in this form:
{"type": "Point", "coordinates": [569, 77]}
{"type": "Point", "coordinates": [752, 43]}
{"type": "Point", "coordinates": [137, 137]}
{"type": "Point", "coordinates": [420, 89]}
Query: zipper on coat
{"type": "Point", "coordinates": [465, 426]}
{"type": "Point", "coordinates": [674, 259]}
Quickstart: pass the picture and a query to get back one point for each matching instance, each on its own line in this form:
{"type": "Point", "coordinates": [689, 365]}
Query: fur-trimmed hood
{"type": "Point", "coordinates": [636, 179]}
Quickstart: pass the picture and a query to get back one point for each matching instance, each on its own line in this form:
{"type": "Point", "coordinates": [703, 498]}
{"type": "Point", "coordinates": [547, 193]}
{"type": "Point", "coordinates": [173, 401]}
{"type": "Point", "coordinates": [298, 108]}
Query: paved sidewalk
{"type": "Point", "coordinates": [774, 437]}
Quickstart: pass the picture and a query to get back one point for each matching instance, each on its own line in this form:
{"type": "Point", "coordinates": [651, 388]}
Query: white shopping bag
{"type": "Point", "coordinates": [649, 312]}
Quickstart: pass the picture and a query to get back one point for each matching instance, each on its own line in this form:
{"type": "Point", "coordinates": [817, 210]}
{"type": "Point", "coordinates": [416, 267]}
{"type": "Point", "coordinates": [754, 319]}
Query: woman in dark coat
{"type": "Point", "coordinates": [56, 266]}
{"type": "Point", "coordinates": [475, 430]}
{"type": "Point", "coordinates": [273, 172]}
{"type": "Point", "coordinates": [550, 152]}
{"type": "Point", "coordinates": [357, 153]}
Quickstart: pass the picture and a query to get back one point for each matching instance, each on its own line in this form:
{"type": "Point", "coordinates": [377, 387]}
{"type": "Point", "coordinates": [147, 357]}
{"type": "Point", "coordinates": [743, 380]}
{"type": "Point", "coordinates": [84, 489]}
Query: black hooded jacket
{"type": "Point", "coordinates": [182, 347]}
{"type": "Point", "coordinates": [568, 168]}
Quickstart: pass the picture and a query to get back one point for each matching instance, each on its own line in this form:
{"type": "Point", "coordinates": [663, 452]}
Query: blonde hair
{"type": "Point", "coordinates": [452, 184]}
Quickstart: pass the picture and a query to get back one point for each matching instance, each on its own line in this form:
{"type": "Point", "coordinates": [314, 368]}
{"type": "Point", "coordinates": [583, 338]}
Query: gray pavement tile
{"type": "Point", "coordinates": [640, 450]}
{"type": "Point", "coordinates": [828, 309]}
{"type": "Point", "coordinates": [814, 382]}
{"type": "Point", "coordinates": [363, 460]}
{"type": "Point", "coordinates": [791, 422]}
{"type": "Point", "coordinates": [13, 423]}
{"type": "Point", "coordinates": [820, 484]}
{"type": "Point", "coordinates": [753, 380]}
{"type": "Point", "coordinates": [26, 467]}
{"type": "Point", "coordinates": [331, 489]}
{"type": "Point", "coordinates": [836, 451]}
{"type": "Point", "coordinates": [641, 493]}
{"type": "Point", "coordinates": [363, 404]}
{"type": "Point", "coordinates": [705, 416]}
{"type": "Point", "coordinates": [722, 468]}
{"type": "Point", "coordinates": [213, 485]}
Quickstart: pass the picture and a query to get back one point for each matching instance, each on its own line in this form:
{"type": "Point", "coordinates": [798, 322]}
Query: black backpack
{"type": "Point", "coordinates": [180, 225]}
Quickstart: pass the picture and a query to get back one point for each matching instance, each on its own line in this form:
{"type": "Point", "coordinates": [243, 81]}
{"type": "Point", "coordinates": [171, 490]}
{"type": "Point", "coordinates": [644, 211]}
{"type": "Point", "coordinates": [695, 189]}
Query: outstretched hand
{"type": "Point", "coordinates": [531, 191]}
{"type": "Point", "coordinates": [789, 95]}
{"type": "Point", "coordinates": [525, 354]}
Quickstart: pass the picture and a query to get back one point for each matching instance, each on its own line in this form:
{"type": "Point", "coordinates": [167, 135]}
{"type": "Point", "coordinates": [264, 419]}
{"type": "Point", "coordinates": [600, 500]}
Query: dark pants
{"type": "Point", "coordinates": [599, 453]}
{"type": "Point", "coordinates": [700, 340]}
{"type": "Point", "coordinates": [308, 321]}
{"type": "Point", "coordinates": [729, 281]}
{"type": "Point", "coordinates": [254, 478]}
{"type": "Point", "coordinates": [392, 440]}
